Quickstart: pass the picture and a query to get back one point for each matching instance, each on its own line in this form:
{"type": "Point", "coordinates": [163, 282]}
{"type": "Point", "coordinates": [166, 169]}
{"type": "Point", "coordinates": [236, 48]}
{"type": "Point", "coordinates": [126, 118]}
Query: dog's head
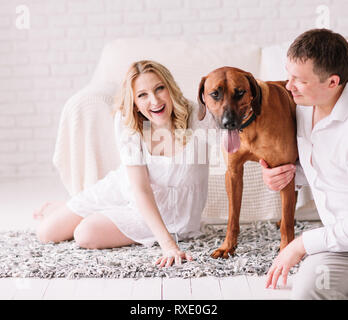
{"type": "Point", "coordinates": [232, 96]}
{"type": "Point", "coordinates": [229, 94]}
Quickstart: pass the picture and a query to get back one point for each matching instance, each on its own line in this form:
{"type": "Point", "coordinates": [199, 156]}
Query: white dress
{"type": "Point", "coordinates": [179, 184]}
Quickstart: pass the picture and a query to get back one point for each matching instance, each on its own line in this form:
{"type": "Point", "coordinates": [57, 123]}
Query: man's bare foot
{"type": "Point", "coordinates": [45, 210]}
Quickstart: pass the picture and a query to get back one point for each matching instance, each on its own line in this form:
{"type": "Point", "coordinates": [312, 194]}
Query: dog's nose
{"type": "Point", "coordinates": [229, 123]}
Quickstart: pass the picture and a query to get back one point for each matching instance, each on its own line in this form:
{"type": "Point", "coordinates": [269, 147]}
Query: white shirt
{"type": "Point", "coordinates": [323, 154]}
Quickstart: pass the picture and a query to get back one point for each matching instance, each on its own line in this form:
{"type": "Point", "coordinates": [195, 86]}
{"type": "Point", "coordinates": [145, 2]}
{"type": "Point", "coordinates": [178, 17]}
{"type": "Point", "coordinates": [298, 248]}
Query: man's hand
{"type": "Point", "coordinates": [286, 259]}
{"type": "Point", "coordinates": [277, 178]}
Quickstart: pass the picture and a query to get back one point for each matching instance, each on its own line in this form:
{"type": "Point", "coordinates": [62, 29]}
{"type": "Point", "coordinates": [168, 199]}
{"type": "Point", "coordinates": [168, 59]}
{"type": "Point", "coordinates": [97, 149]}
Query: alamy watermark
{"type": "Point", "coordinates": [22, 21]}
{"type": "Point", "coordinates": [323, 279]}
{"type": "Point", "coordinates": [202, 147]}
{"type": "Point", "coordinates": [323, 18]}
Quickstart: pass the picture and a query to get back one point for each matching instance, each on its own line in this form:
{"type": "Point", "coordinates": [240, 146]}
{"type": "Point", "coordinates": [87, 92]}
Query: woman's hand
{"type": "Point", "coordinates": [172, 255]}
{"type": "Point", "coordinates": [279, 177]}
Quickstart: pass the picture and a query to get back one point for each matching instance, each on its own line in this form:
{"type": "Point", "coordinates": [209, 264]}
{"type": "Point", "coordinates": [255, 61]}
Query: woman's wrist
{"type": "Point", "coordinates": [168, 243]}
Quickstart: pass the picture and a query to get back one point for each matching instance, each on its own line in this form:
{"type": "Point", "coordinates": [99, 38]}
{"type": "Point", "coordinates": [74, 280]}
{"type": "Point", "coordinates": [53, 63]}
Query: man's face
{"type": "Point", "coordinates": [305, 85]}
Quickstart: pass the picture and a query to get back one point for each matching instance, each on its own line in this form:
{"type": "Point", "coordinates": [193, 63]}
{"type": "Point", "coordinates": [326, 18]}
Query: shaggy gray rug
{"type": "Point", "coordinates": [21, 255]}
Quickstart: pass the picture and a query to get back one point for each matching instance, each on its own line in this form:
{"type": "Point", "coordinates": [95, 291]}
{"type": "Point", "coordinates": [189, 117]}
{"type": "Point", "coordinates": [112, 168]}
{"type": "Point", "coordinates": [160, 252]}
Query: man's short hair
{"type": "Point", "coordinates": [327, 50]}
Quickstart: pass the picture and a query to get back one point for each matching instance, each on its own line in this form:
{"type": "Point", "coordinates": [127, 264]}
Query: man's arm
{"type": "Point", "coordinates": [332, 237]}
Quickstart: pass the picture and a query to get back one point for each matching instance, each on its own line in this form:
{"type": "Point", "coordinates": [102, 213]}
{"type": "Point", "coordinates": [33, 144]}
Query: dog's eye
{"type": "Point", "coordinates": [215, 94]}
{"type": "Point", "coordinates": [239, 93]}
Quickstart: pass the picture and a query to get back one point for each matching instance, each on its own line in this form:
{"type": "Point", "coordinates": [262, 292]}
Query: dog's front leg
{"type": "Point", "coordinates": [234, 189]}
{"type": "Point", "coordinates": [288, 198]}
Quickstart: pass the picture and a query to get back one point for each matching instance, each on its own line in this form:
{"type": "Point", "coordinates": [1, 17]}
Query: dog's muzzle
{"type": "Point", "coordinates": [229, 120]}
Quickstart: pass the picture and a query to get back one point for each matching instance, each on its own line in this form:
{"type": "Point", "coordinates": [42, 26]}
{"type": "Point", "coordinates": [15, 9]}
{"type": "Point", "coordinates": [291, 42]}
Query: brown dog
{"type": "Point", "coordinates": [260, 119]}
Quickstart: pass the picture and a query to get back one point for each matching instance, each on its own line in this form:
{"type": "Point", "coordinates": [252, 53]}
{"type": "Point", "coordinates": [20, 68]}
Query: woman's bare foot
{"type": "Point", "coordinates": [45, 210]}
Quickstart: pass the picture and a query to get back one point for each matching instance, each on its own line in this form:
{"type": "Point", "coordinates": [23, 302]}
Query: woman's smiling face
{"type": "Point", "coordinates": [152, 98]}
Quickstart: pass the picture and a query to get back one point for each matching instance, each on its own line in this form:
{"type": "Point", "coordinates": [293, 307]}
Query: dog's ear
{"type": "Point", "coordinates": [202, 107]}
{"type": "Point", "coordinates": [257, 94]}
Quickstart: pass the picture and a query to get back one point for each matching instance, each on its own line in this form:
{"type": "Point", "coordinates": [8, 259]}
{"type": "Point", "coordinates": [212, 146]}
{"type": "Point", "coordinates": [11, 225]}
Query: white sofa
{"type": "Point", "coordinates": [85, 149]}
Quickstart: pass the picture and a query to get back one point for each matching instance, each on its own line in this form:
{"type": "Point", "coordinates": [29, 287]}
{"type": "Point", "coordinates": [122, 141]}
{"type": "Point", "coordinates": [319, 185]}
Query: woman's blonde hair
{"type": "Point", "coordinates": [125, 100]}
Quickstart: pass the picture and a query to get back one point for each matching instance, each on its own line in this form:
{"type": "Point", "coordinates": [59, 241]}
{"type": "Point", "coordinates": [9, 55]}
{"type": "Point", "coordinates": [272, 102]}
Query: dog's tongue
{"type": "Point", "coordinates": [231, 141]}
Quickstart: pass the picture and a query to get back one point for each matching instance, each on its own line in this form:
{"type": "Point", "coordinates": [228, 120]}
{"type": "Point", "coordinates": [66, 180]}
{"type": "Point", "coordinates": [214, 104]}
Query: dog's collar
{"type": "Point", "coordinates": [248, 122]}
{"type": "Point", "coordinates": [253, 116]}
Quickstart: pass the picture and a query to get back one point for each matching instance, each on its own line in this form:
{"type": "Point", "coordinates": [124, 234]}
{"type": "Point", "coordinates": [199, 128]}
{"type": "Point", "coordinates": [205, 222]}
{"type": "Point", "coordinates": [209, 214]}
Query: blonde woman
{"type": "Point", "coordinates": [156, 194]}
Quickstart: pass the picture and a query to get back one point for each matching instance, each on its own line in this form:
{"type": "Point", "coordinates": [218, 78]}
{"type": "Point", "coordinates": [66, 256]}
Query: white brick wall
{"type": "Point", "coordinates": [42, 67]}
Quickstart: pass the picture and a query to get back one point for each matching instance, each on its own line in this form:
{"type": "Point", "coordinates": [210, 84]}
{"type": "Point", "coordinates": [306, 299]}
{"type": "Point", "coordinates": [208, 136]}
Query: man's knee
{"type": "Point", "coordinates": [311, 279]}
{"type": "Point", "coordinates": [305, 289]}
{"type": "Point", "coordinates": [317, 279]}
{"type": "Point", "coordinates": [313, 291]}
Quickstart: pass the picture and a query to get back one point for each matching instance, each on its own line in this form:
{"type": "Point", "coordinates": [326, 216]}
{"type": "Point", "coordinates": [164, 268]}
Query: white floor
{"type": "Point", "coordinates": [18, 199]}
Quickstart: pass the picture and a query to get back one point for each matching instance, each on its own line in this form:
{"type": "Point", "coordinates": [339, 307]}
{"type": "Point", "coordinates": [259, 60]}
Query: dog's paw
{"type": "Point", "coordinates": [222, 253]}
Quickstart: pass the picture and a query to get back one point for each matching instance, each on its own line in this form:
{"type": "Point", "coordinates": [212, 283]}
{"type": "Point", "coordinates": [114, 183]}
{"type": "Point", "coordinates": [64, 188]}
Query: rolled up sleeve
{"type": "Point", "coordinates": [328, 238]}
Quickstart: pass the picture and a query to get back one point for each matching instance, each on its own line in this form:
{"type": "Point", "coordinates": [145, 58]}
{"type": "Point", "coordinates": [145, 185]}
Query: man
{"type": "Point", "coordinates": [317, 65]}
